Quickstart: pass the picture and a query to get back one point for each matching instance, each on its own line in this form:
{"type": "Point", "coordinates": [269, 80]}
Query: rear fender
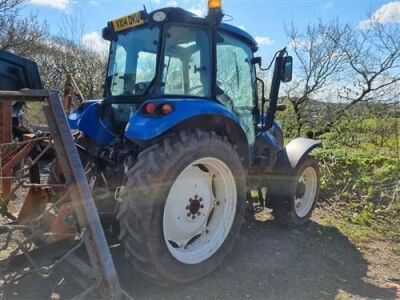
{"type": "Point", "coordinates": [88, 120]}
{"type": "Point", "coordinates": [298, 149]}
{"type": "Point", "coordinates": [146, 128]}
{"type": "Point", "coordinates": [188, 114]}
{"type": "Point", "coordinates": [282, 180]}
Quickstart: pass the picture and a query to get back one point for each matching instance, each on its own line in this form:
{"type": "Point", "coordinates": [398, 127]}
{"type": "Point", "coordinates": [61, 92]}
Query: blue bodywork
{"type": "Point", "coordinates": [274, 136]}
{"type": "Point", "coordinates": [271, 140]}
{"type": "Point", "coordinates": [88, 120]}
{"type": "Point", "coordinates": [144, 128]}
{"type": "Point", "coordinates": [243, 35]}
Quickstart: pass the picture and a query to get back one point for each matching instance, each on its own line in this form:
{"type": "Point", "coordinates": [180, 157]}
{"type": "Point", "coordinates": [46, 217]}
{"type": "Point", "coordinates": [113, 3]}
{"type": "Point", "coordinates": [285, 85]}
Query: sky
{"type": "Point", "coordinates": [263, 19]}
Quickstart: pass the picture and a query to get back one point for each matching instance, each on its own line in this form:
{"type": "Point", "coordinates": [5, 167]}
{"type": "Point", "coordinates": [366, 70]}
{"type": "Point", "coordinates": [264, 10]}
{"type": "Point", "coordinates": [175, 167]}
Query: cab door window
{"type": "Point", "coordinates": [187, 61]}
{"type": "Point", "coordinates": [236, 81]}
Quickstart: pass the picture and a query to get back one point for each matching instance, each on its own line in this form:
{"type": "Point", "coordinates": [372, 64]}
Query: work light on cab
{"type": "Point", "coordinates": [212, 4]}
{"type": "Point", "coordinates": [160, 16]}
{"type": "Point", "coordinates": [215, 14]}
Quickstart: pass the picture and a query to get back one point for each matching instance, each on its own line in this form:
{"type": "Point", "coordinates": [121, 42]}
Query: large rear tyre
{"type": "Point", "coordinates": [297, 206]}
{"type": "Point", "coordinates": [182, 207]}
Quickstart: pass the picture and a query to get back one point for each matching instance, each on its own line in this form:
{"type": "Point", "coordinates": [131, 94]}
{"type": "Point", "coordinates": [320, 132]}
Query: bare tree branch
{"type": "Point", "coordinates": [321, 60]}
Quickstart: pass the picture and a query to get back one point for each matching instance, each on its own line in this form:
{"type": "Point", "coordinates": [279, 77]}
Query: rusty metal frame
{"type": "Point", "coordinates": [5, 137]}
{"type": "Point", "coordinates": [71, 93]}
{"type": "Point", "coordinates": [107, 282]}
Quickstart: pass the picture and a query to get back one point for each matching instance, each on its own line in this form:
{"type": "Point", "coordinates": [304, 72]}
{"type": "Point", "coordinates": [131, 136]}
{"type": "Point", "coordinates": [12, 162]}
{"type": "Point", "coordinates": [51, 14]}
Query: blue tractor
{"type": "Point", "coordinates": [181, 141]}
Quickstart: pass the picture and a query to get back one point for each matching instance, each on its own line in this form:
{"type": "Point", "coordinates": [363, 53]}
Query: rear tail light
{"type": "Point", "coordinates": [157, 110]}
{"type": "Point", "coordinates": [149, 108]}
{"type": "Point", "coordinates": [166, 109]}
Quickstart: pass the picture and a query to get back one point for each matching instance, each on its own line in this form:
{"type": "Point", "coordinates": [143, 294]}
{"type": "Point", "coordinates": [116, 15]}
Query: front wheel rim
{"type": "Point", "coordinates": [200, 210]}
{"type": "Point", "coordinates": [306, 191]}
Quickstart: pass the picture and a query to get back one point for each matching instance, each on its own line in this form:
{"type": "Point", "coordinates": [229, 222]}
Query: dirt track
{"type": "Point", "coordinates": [268, 262]}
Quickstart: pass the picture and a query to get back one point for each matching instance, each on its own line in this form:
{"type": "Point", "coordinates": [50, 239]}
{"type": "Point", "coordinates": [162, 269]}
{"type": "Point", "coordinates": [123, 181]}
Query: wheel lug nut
{"type": "Point", "coordinates": [187, 207]}
{"type": "Point", "coordinates": [199, 213]}
{"type": "Point", "coordinates": [188, 215]}
{"type": "Point", "coordinates": [193, 217]}
{"type": "Point", "coordinates": [217, 203]}
{"type": "Point", "coordinates": [196, 197]}
{"type": "Point", "coordinates": [201, 199]}
{"type": "Point", "coordinates": [201, 206]}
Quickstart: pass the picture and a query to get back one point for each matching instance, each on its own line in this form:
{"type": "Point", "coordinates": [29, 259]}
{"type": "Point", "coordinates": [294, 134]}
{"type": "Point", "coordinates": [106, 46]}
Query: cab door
{"type": "Point", "coordinates": [236, 81]}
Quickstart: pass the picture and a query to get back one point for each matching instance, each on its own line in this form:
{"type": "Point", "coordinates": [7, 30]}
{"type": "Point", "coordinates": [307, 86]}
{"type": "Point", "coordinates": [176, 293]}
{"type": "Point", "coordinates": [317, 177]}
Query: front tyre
{"type": "Point", "coordinates": [296, 209]}
{"type": "Point", "coordinates": [182, 207]}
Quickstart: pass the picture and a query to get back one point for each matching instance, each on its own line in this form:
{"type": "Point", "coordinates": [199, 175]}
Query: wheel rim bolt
{"type": "Point", "coordinates": [188, 215]}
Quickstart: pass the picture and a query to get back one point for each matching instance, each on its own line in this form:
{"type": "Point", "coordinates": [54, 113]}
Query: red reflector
{"type": "Point", "coordinates": [166, 109]}
{"type": "Point", "coordinates": [149, 108]}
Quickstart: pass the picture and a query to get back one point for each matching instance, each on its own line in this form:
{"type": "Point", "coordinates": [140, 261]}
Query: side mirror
{"type": "Point", "coordinates": [256, 61]}
{"type": "Point", "coordinates": [287, 69]}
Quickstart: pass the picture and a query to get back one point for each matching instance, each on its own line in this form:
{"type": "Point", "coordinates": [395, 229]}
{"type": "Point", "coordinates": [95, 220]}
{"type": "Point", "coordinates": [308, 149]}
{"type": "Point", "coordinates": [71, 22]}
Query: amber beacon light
{"type": "Point", "coordinates": [214, 4]}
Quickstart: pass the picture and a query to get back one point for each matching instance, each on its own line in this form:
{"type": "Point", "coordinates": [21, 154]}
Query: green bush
{"type": "Point", "coordinates": [363, 185]}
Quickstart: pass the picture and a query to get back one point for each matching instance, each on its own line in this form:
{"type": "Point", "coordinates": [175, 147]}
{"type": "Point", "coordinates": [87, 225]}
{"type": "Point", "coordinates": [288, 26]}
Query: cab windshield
{"type": "Point", "coordinates": [133, 62]}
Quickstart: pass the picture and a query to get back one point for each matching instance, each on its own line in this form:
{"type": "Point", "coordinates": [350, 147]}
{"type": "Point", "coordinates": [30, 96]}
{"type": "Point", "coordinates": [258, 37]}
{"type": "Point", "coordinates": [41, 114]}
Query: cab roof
{"type": "Point", "coordinates": [177, 14]}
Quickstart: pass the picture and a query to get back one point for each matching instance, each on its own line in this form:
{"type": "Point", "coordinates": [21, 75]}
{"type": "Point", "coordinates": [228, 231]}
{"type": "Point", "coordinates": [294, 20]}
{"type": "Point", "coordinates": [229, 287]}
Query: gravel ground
{"type": "Point", "coordinates": [267, 262]}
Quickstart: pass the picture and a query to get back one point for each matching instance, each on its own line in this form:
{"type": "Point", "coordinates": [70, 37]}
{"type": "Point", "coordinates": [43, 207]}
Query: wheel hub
{"type": "Point", "coordinates": [195, 206]}
{"type": "Point", "coordinates": [300, 190]}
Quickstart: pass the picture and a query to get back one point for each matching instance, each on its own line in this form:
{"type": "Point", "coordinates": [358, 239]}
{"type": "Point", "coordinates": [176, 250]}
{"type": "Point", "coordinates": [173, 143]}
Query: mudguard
{"type": "Point", "coordinates": [298, 149]}
{"type": "Point", "coordinates": [146, 128]}
{"type": "Point", "coordinates": [87, 119]}
{"type": "Point", "coordinates": [282, 182]}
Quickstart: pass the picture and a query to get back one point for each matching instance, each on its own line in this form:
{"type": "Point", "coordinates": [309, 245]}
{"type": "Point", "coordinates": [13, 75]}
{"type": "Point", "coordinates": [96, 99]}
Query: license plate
{"type": "Point", "coordinates": [127, 22]}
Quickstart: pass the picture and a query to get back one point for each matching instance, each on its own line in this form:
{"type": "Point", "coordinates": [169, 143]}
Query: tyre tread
{"type": "Point", "coordinates": [132, 216]}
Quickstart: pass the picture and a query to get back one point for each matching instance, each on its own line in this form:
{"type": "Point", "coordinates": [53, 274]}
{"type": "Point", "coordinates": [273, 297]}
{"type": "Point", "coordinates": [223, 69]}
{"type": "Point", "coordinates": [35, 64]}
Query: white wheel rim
{"type": "Point", "coordinates": [200, 210]}
{"type": "Point", "coordinates": [304, 200]}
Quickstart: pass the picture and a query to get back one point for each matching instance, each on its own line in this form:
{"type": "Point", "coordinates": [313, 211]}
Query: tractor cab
{"type": "Point", "coordinates": [173, 54]}
{"type": "Point", "coordinates": [170, 69]}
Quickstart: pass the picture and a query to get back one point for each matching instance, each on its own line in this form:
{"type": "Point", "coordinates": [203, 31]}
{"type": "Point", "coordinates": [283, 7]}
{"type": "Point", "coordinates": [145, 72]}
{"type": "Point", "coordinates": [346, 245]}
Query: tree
{"type": "Point", "coordinates": [343, 65]}
{"type": "Point", "coordinates": [8, 7]}
{"type": "Point", "coordinates": [372, 56]}
{"type": "Point", "coordinates": [19, 35]}
{"type": "Point", "coordinates": [58, 57]}
{"type": "Point", "coordinates": [320, 61]}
